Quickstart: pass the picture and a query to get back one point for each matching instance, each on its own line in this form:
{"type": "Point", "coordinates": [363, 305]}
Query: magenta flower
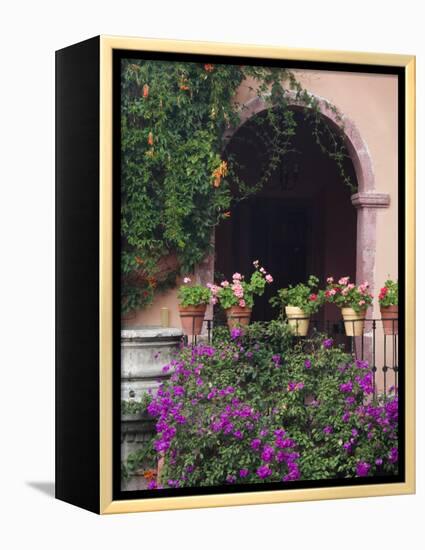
{"type": "Point", "coordinates": [328, 343]}
{"type": "Point", "coordinates": [236, 333]}
{"type": "Point", "coordinates": [276, 360]}
{"type": "Point", "coordinates": [346, 416]}
{"type": "Point", "coordinates": [346, 388]}
{"type": "Point", "coordinates": [307, 364]}
{"type": "Point", "coordinates": [362, 469]}
{"type": "Point", "coordinates": [264, 471]}
{"type": "Point", "coordinates": [267, 453]}
{"type": "Point", "coordinates": [255, 444]}
{"type": "Point", "coordinates": [393, 455]}
{"type": "Point", "coordinates": [243, 473]}
{"type": "Point", "coordinates": [293, 473]}
{"type": "Point", "coordinates": [327, 430]}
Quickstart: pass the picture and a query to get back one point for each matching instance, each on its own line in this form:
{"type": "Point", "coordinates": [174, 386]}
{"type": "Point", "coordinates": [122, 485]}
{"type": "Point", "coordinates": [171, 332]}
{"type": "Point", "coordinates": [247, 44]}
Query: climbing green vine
{"type": "Point", "coordinates": [177, 180]}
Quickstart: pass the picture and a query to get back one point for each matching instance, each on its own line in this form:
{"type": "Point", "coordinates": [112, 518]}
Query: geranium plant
{"type": "Point", "coordinates": [240, 292]}
{"type": "Point", "coordinates": [193, 295]}
{"type": "Point", "coordinates": [307, 296]}
{"type": "Point", "coordinates": [346, 294]}
{"type": "Point", "coordinates": [388, 295]}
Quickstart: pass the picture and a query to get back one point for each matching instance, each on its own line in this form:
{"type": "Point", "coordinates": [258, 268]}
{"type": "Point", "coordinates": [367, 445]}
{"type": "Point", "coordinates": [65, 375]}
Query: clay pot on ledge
{"type": "Point", "coordinates": [298, 320]}
{"type": "Point", "coordinates": [237, 316]}
{"type": "Point", "coordinates": [192, 318]}
{"type": "Point", "coordinates": [128, 316]}
{"type": "Point", "coordinates": [353, 321]}
{"type": "Point", "coordinates": [389, 316]}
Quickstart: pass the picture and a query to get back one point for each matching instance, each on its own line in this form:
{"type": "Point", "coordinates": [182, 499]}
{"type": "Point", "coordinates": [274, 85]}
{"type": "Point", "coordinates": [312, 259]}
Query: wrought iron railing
{"type": "Point", "coordinates": [372, 340]}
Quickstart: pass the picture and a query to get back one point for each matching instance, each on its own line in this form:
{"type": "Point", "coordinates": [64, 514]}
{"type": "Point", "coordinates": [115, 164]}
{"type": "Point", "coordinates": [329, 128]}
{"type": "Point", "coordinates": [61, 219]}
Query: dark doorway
{"type": "Point", "coordinates": [296, 230]}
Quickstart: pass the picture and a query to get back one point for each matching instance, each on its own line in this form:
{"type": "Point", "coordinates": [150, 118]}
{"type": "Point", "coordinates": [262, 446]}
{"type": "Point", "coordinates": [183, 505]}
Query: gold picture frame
{"type": "Point", "coordinates": [106, 47]}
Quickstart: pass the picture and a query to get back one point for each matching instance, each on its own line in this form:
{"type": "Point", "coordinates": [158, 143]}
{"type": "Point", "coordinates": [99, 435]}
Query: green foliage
{"type": "Point", "coordinates": [308, 297]}
{"type": "Point", "coordinates": [143, 457]}
{"type": "Point", "coordinates": [133, 407]}
{"type": "Point", "coordinates": [193, 295]}
{"type": "Point", "coordinates": [177, 183]}
{"type": "Point", "coordinates": [388, 295]}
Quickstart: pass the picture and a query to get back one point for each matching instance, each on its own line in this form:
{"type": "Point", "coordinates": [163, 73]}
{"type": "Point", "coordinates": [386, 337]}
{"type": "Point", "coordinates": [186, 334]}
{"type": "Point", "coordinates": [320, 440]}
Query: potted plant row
{"type": "Point", "coordinates": [300, 301]}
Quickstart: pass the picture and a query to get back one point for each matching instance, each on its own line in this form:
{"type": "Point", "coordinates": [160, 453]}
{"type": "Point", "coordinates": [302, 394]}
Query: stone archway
{"type": "Point", "coordinates": [366, 200]}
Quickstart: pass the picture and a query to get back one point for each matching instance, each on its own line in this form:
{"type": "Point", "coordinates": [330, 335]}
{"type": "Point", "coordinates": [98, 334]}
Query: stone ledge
{"type": "Point", "coordinates": [141, 333]}
{"type": "Point", "coordinates": [371, 200]}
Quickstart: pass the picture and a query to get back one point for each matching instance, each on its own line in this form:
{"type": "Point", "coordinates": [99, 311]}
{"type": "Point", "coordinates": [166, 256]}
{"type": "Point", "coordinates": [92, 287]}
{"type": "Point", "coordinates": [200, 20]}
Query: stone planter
{"type": "Point", "coordinates": [237, 316]}
{"type": "Point", "coordinates": [298, 320]}
{"type": "Point", "coordinates": [144, 352]}
{"type": "Point", "coordinates": [389, 316]}
{"type": "Point", "coordinates": [192, 318]}
{"type": "Point", "coordinates": [353, 321]}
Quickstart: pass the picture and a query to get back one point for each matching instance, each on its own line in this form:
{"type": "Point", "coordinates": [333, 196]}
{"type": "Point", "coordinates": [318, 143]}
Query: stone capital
{"type": "Point", "coordinates": [371, 200]}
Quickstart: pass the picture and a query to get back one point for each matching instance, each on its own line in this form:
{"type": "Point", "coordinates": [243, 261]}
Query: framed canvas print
{"type": "Point", "coordinates": [235, 274]}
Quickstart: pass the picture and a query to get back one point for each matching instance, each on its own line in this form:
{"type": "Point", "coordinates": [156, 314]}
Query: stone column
{"type": "Point", "coordinates": [367, 205]}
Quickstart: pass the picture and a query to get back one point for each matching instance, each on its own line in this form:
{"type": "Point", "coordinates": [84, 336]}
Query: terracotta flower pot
{"type": "Point", "coordinates": [192, 318]}
{"type": "Point", "coordinates": [237, 315]}
{"type": "Point", "coordinates": [128, 316]}
{"type": "Point", "coordinates": [389, 316]}
{"type": "Point", "coordinates": [298, 320]}
{"type": "Point", "coordinates": [353, 321]}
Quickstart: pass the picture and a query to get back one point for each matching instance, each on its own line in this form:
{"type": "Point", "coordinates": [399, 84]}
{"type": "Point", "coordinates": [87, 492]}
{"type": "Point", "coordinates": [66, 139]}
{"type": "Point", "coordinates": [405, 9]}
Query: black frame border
{"type": "Point", "coordinates": [400, 72]}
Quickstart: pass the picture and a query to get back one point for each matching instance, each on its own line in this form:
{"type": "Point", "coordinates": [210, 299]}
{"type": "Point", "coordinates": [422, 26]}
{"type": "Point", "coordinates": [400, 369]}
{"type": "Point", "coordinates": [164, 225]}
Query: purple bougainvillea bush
{"type": "Point", "coordinates": [253, 407]}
